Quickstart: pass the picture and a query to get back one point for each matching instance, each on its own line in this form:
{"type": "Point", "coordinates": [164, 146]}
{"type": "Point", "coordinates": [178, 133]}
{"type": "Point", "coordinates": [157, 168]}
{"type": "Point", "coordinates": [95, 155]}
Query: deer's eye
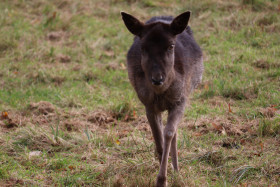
{"type": "Point", "coordinates": [171, 47]}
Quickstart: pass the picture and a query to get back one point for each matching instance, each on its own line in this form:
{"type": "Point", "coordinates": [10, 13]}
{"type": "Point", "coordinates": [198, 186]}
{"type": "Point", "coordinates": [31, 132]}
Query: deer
{"type": "Point", "coordinates": [164, 64]}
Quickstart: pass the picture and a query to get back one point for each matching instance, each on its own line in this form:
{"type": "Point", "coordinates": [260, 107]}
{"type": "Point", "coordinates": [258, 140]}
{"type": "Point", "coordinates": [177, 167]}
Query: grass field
{"type": "Point", "coordinates": [69, 117]}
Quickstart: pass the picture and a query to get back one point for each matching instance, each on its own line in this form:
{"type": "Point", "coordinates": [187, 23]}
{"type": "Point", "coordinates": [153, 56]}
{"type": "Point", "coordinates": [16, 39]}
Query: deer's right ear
{"type": "Point", "coordinates": [133, 25]}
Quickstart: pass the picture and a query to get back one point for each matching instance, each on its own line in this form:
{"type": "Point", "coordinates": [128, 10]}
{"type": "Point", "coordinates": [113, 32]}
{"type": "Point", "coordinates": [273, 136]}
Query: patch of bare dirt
{"type": "Point", "coordinates": [112, 66]}
{"type": "Point", "coordinates": [10, 120]}
{"type": "Point", "coordinates": [263, 64]}
{"type": "Point", "coordinates": [6, 120]}
{"type": "Point", "coordinates": [42, 107]}
{"type": "Point", "coordinates": [45, 113]}
{"type": "Point", "coordinates": [55, 35]}
{"type": "Point", "coordinates": [77, 68]}
{"type": "Point", "coordinates": [63, 58]}
{"type": "Point", "coordinates": [124, 132]}
{"type": "Point", "coordinates": [11, 182]}
{"type": "Point", "coordinates": [226, 126]}
{"type": "Point", "coordinates": [88, 76]}
{"type": "Point", "coordinates": [230, 143]}
{"type": "Point", "coordinates": [77, 125]}
{"type": "Point", "coordinates": [142, 124]}
{"type": "Point", "coordinates": [63, 4]}
{"type": "Point", "coordinates": [267, 20]}
{"type": "Point", "coordinates": [2, 124]}
{"type": "Point", "coordinates": [45, 78]}
{"type": "Point", "coordinates": [42, 113]}
{"type": "Point", "coordinates": [57, 80]}
{"type": "Point", "coordinates": [272, 28]}
{"type": "Point", "coordinates": [115, 66]}
{"type": "Point", "coordinates": [73, 125]}
{"type": "Point", "coordinates": [44, 119]}
{"type": "Point", "coordinates": [269, 112]}
{"type": "Point", "coordinates": [217, 101]}
{"type": "Point", "coordinates": [100, 118]}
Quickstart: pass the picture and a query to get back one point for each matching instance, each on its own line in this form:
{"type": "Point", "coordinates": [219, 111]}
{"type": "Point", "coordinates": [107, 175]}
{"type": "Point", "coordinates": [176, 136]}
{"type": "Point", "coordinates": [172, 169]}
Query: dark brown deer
{"type": "Point", "coordinates": [164, 65]}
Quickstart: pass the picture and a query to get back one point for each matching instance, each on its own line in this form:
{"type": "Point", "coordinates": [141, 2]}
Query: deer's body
{"type": "Point", "coordinates": [164, 65]}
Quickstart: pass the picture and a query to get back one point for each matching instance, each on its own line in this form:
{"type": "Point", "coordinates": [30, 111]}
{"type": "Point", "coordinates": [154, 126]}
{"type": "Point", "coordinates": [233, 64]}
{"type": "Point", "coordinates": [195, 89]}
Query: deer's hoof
{"type": "Point", "coordinates": [161, 181]}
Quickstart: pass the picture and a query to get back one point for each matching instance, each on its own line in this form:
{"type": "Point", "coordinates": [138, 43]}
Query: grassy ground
{"type": "Point", "coordinates": [69, 116]}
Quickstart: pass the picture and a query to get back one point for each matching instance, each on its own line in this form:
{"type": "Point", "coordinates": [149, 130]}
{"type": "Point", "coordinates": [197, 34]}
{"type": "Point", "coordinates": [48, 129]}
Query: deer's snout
{"type": "Point", "coordinates": [157, 80]}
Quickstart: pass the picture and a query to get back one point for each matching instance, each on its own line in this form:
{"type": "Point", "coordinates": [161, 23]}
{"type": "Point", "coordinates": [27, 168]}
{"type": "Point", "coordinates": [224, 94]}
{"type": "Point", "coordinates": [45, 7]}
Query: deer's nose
{"type": "Point", "coordinates": [157, 80]}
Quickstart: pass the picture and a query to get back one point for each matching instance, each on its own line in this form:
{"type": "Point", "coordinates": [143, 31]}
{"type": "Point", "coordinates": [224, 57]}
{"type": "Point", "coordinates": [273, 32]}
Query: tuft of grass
{"type": "Point", "coordinates": [256, 5]}
{"type": "Point", "coordinates": [6, 45]}
{"type": "Point", "coordinates": [4, 172]}
{"type": "Point", "coordinates": [269, 127]}
{"type": "Point", "coordinates": [241, 172]}
{"type": "Point", "coordinates": [124, 111]}
{"type": "Point", "coordinates": [239, 93]}
{"type": "Point", "coordinates": [212, 157]}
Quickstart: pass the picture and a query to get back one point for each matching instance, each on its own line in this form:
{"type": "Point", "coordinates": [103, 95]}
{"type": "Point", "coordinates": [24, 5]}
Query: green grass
{"type": "Point", "coordinates": [92, 130]}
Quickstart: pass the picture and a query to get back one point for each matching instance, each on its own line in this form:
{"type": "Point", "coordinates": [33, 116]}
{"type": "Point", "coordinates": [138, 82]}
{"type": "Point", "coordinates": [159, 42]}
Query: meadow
{"type": "Point", "coordinates": [69, 116]}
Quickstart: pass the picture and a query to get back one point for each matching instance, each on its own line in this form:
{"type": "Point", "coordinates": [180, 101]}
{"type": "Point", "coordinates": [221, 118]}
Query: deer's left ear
{"type": "Point", "coordinates": [179, 23]}
{"type": "Point", "coordinates": [133, 24]}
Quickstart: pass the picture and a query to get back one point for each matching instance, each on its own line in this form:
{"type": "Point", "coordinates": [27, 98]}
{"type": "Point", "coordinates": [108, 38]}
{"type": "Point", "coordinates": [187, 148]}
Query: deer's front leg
{"type": "Point", "coordinates": [174, 117]}
{"type": "Point", "coordinates": [154, 119]}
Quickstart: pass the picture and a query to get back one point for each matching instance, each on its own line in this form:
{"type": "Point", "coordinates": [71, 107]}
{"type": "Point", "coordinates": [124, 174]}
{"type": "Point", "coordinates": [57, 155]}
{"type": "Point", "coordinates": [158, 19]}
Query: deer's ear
{"type": "Point", "coordinates": [133, 25]}
{"type": "Point", "coordinates": [179, 23]}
